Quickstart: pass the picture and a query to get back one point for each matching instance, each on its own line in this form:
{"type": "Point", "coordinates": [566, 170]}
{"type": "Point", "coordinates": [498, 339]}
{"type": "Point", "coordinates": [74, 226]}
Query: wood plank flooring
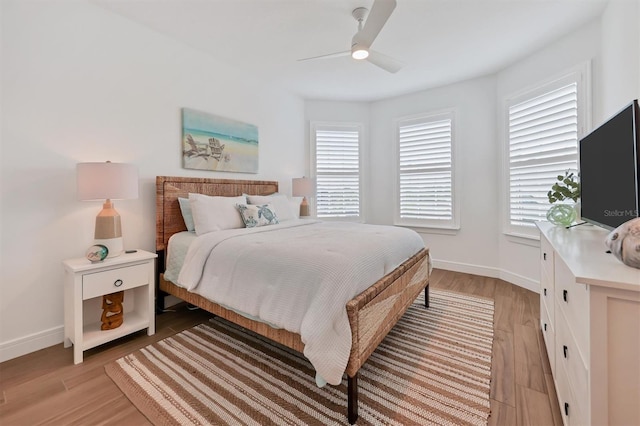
{"type": "Point", "coordinates": [45, 387]}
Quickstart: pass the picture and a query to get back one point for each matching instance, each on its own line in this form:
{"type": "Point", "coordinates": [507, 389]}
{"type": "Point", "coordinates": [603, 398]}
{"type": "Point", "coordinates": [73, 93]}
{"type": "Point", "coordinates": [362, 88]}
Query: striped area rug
{"type": "Point", "coordinates": [434, 367]}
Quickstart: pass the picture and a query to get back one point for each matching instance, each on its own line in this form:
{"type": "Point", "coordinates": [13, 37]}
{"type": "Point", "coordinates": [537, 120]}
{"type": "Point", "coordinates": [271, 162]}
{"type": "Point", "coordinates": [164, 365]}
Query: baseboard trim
{"type": "Point", "coordinates": [31, 343]}
{"type": "Point", "coordinates": [485, 271]}
{"type": "Point", "coordinates": [520, 281]}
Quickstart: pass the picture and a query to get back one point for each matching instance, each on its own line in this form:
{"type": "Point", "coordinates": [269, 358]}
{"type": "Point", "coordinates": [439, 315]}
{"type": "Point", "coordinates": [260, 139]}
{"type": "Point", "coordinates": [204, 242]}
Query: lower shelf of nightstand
{"type": "Point", "coordinates": [93, 336]}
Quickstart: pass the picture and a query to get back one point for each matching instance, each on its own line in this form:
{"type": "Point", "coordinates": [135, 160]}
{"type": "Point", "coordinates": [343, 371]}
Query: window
{"type": "Point", "coordinates": [425, 178]}
{"type": "Point", "coordinates": [336, 157]}
{"type": "Point", "coordinates": [543, 128]}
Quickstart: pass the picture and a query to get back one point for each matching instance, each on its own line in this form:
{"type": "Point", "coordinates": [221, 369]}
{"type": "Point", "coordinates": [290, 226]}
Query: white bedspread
{"type": "Point", "coordinates": [298, 276]}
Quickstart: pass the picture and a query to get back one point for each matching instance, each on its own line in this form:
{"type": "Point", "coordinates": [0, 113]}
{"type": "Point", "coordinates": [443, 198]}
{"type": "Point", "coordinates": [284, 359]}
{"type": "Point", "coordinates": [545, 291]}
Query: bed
{"type": "Point", "coordinates": [371, 313]}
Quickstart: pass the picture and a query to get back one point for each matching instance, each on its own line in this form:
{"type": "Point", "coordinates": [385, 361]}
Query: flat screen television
{"type": "Point", "coordinates": [609, 170]}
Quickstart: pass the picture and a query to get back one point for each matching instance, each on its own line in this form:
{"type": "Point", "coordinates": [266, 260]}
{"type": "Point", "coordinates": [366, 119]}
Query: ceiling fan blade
{"type": "Point", "coordinates": [327, 56]}
{"type": "Point", "coordinates": [380, 12]}
{"type": "Point", "coordinates": [385, 62]}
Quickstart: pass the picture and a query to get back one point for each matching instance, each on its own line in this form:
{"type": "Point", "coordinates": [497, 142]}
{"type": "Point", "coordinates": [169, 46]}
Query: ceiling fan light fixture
{"type": "Point", "coordinates": [359, 52]}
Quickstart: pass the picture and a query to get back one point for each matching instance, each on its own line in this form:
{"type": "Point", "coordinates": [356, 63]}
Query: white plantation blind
{"type": "Point", "coordinates": [425, 171]}
{"type": "Point", "coordinates": [543, 143]}
{"type": "Point", "coordinates": [337, 171]}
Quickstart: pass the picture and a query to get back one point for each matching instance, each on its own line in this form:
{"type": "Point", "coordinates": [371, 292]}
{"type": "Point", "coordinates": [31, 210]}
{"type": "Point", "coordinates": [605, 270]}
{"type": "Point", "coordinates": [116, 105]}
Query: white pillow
{"type": "Point", "coordinates": [281, 205]}
{"type": "Point", "coordinates": [215, 213]}
{"type": "Point", "coordinates": [254, 215]}
{"type": "Point", "coordinates": [185, 208]}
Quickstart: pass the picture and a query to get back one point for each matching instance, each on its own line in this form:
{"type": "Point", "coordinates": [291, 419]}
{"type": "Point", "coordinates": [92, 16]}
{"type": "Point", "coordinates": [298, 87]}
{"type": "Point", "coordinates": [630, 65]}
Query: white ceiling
{"type": "Point", "coordinates": [440, 41]}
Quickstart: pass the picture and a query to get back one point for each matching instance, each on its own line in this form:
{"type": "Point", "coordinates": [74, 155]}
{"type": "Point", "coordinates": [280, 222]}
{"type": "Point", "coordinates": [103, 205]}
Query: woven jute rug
{"type": "Point", "coordinates": [434, 367]}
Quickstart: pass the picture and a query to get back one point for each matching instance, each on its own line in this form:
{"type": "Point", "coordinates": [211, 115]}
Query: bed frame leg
{"type": "Point", "coordinates": [352, 398]}
{"type": "Point", "coordinates": [426, 296]}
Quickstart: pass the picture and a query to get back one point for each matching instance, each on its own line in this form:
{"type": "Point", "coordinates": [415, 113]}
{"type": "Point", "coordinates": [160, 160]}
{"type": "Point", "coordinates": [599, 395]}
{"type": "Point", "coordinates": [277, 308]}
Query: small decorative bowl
{"type": "Point", "coordinates": [97, 253]}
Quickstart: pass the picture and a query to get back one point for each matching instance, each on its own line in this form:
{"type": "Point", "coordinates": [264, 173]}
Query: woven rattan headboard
{"type": "Point", "coordinates": [168, 189]}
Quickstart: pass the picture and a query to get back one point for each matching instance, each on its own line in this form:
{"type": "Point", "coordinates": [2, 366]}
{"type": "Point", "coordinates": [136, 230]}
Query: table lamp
{"type": "Point", "coordinates": [107, 181]}
{"type": "Point", "coordinates": [303, 187]}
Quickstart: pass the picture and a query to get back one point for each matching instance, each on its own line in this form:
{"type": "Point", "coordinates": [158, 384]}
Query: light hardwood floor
{"type": "Point", "coordinates": [45, 387]}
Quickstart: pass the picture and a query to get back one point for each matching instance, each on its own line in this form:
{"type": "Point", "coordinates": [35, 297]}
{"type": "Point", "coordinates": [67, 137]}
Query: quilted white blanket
{"type": "Point", "coordinates": [298, 276]}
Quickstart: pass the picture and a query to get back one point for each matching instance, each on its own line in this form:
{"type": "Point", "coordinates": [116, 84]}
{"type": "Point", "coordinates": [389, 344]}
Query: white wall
{"type": "Point", "coordinates": [518, 256]}
{"type": "Point", "coordinates": [620, 82]}
{"type": "Point", "coordinates": [612, 44]}
{"type": "Point", "coordinates": [474, 247]}
{"type": "Point", "coordinates": [82, 84]}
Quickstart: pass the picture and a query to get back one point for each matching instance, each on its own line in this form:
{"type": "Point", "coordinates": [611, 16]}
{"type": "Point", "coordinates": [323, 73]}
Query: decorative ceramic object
{"type": "Point", "coordinates": [561, 214]}
{"type": "Point", "coordinates": [97, 253]}
{"type": "Point", "coordinates": [624, 242]}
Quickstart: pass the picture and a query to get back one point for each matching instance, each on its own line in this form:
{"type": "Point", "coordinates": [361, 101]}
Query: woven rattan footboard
{"type": "Point", "coordinates": [371, 314]}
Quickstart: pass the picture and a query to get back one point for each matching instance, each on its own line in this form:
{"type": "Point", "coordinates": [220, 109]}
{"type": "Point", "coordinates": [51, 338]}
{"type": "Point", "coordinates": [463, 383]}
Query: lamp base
{"type": "Point", "coordinates": [109, 230]}
{"type": "Point", "coordinates": [304, 207]}
{"type": "Point", "coordinates": [114, 245]}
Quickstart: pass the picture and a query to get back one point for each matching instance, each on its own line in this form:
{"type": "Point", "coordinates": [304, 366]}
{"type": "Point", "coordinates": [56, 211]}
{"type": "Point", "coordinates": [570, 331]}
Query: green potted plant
{"type": "Point", "coordinates": [566, 188]}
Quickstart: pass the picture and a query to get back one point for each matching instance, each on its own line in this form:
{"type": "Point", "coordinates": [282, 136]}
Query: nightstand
{"type": "Point", "coordinates": [85, 284]}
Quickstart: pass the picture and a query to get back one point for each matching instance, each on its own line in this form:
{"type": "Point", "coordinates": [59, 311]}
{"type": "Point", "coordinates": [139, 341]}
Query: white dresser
{"type": "Point", "coordinates": [590, 319]}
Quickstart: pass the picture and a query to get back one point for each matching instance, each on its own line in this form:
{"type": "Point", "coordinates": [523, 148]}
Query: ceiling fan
{"type": "Point", "coordinates": [367, 33]}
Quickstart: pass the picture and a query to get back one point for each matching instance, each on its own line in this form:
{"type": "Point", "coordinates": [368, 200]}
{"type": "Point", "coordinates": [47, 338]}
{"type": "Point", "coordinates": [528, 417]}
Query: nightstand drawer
{"type": "Point", "coordinates": [105, 282]}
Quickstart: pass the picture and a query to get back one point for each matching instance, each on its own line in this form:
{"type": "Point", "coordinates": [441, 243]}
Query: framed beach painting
{"type": "Point", "coordinates": [211, 142]}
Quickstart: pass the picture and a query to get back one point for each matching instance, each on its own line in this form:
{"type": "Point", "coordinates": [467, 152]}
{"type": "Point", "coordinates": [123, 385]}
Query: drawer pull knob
{"type": "Point", "coordinates": [544, 290]}
{"type": "Point", "coordinates": [566, 409]}
{"type": "Point", "coordinates": [544, 256]}
{"type": "Point", "coordinates": [545, 326]}
{"type": "Point", "coordinates": [564, 350]}
{"type": "Point", "coordinates": [565, 293]}
{"type": "Point", "coordinates": [118, 282]}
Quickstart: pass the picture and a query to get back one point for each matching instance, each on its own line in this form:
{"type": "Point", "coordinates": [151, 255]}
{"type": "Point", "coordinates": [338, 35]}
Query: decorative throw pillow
{"type": "Point", "coordinates": [215, 213]}
{"type": "Point", "coordinates": [254, 215]}
{"type": "Point", "coordinates": [280, 203]}
{"type": "Point", "coordinates": [185, 208]}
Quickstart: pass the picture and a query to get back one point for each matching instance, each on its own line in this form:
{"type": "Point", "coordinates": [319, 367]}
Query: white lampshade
{"type": "Point", "coordinates": [102, 181]}
{"type": "Point", "coordinates": [107, 181]}
{"type": "Point", "coordinates": [303, 187]}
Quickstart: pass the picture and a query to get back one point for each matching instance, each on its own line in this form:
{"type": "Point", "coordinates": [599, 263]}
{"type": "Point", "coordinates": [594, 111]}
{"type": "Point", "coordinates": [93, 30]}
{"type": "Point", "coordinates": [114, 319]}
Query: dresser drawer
{"type": "Point", "coordinates": [548, 333]}
{"type": "Point", "coordinates": [573, 300]}
{"type": "Point", "coordinates": [105, 282]}
{"type": "Point", "coordinates": [571, 413]}
{"type": "Point", "coordinates": [572, 360]}
{"type": "Point", "coordinates": [546, 253]}
{"type": "Point", "coordinates": [547, 293]}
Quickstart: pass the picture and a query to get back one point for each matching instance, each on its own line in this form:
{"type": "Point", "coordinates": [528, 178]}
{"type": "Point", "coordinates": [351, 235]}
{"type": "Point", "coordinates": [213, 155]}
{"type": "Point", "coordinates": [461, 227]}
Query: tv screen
{"type": "Point", "coordinates": [609, 170]}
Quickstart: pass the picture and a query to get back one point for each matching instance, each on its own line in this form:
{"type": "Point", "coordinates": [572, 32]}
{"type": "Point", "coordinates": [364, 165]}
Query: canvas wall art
{"type": "Point", "coordinates": [211, 142]}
